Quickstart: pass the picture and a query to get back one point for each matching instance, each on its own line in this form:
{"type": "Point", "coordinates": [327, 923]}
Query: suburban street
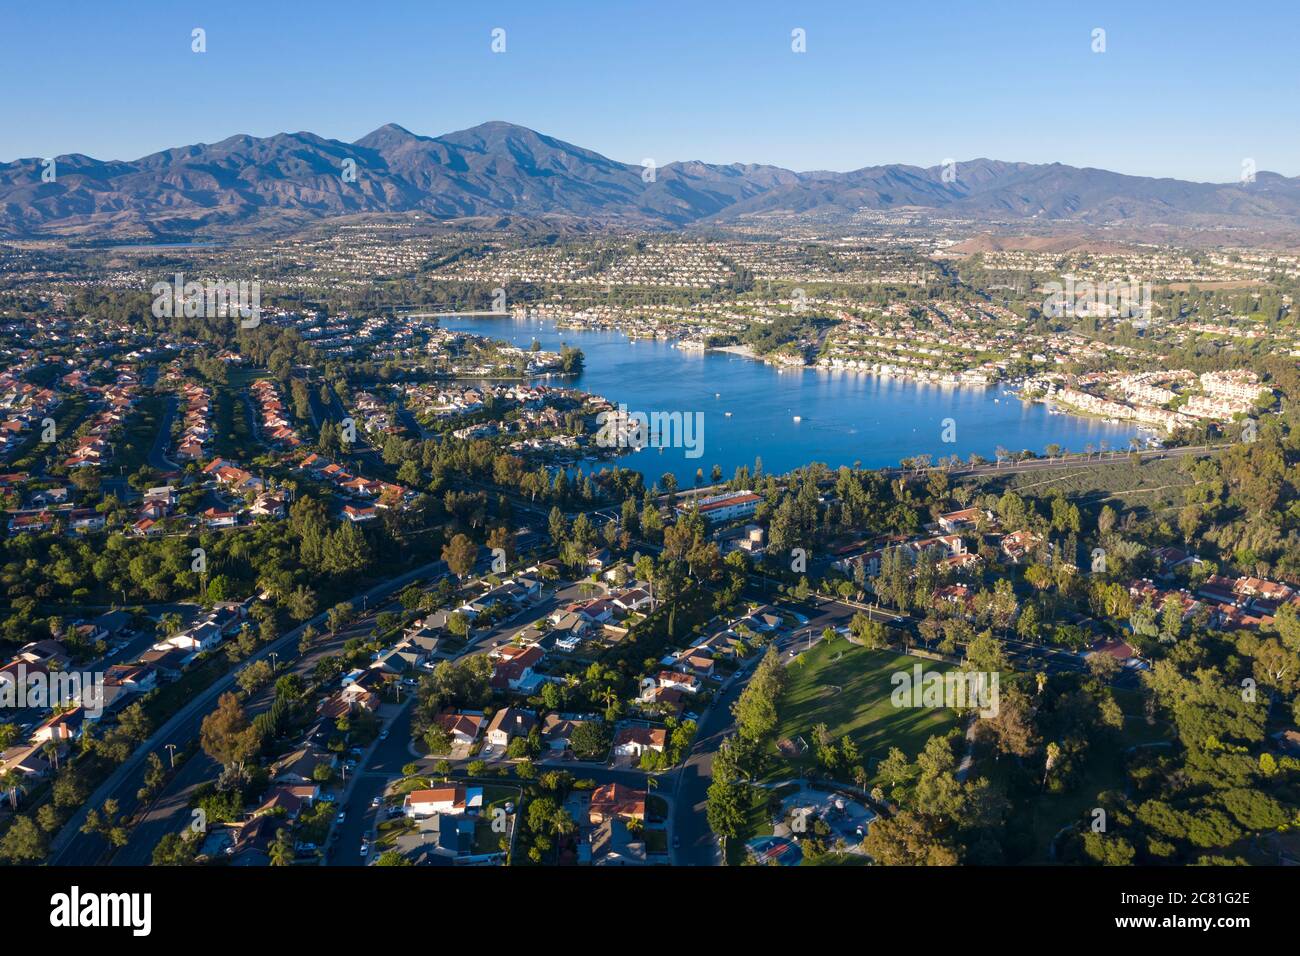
{"type": "Point", "coordinates": [71, 847]}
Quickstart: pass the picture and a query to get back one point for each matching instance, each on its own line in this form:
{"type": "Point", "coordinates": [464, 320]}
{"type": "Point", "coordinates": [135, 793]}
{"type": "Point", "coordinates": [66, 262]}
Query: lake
{"type": "Point", "coordinates": [749, 407]}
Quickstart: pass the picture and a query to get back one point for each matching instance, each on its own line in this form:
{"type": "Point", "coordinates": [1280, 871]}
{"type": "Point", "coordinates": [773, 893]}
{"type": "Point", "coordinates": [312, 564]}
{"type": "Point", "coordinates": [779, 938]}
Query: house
{"type": "Point", "coordinates": [447, 834]}
{"type": "Point", "coordinates": [27, 759]}
{"type": "Point", "coordinates": [202, 637]}
{"type": "Point", "coordinates": [1122, 651]}
{"type": "Point", "coordinates": [615, 800]}
{"type": "Point", "coordinates": [967, 519]}
{"type": "Point", "coordinates": [1019, 544]}
{"type": "Point", "coordinates": [632, 600]}
{"type": "Point", "coordinates": [612, 844]}
{"type": "Point", "coordinates": [61, 727]}
{"type": "Point", "coordinates": [114, 624]}
{"type": "Point", "coordinates": [290, 798]}
{"type": "Point", "coordinates": [633, 741]}
{"type": "Point", "coordinates": [666, 700]}
{"type": "Point", "coordinates": [463, 726]}
{"type": "Point", "coordinates": [219, 518]}
{"type": "Point", "coordinates": [399, 658]}
{"type": "Point", "coordinates": [301, 766]}
{"type": "Point", "coordinates": [516, 671]}
{"type": "Point", "coordinates": [453, 800]}
{"type": "Point", "coordinates": [135, 678]}
{"type": "Point", "coordinates": [679, 680]}
{"type": "Point", "coordinates": [557, 731]}
{"type": "Point", "coordinates": [728, 507]}
{"type": "Point", "coordinates": [509, 722]}
{"type": "Point", "coordinates": [167, 663]}
{"type": "Point", "coordinates": [47, 652]}
{"type": "Point", "coordinates": [569, 630]}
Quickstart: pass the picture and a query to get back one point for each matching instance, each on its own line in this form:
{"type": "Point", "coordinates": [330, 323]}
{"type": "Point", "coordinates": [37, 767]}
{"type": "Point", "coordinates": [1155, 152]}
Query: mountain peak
{"type": "Point", "coordinates": [500, 169]}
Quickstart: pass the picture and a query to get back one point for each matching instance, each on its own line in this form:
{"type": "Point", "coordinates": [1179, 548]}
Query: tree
{"type": "Point", "coordinates": [438, 740]}
{"type": "Point", "coordinates": [175, 849]}
{"type": "Point", "coordinates": [301, 603]}
{"type": "Point", "coordinates": [908, 839]}
{"type": "Point", "coordinates": [590, 739]}
{"type": "Point", "coordinates": [23, 842]}
{"type": "Point", "coordinates": [106, 822]}
{"type": "Point", "coordinates": [460, 554]}
{"type": "Point", "coordinates": [281, 848]}
{"type": "Point", "coordinates": [226, 735]}
{"type": "Point", "coordinates": [726, 808]}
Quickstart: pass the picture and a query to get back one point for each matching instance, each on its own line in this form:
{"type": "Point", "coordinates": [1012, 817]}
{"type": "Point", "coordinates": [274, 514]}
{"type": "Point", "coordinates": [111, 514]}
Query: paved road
{"type": "Point", "coordinates": [158, 451]}
{"type": "Point", "coordinates": [171, 812]}
{"type": "Point", "coordinates": [73, 848]}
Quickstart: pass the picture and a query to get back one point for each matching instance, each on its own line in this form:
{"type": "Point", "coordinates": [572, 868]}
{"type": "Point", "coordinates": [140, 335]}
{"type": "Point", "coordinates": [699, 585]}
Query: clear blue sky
{"type": "Point", "coordinates": [1184, 89]}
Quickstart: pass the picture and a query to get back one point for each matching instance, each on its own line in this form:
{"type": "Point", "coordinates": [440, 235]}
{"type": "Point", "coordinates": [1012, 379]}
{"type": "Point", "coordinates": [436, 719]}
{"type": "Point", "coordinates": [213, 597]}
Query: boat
{"type": "Point", "coordinates": [798, 418]}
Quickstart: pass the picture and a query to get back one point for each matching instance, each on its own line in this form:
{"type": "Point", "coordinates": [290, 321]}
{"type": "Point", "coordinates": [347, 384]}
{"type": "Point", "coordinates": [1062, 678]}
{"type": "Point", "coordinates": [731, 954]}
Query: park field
{"type": "Point", "coordinates": [847, 687]}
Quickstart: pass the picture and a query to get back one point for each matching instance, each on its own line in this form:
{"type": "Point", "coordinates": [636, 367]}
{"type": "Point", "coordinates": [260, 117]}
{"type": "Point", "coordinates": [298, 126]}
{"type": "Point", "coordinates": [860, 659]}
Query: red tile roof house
{"type": "Point", "coordinates": [516, 671]}
{"type": "Point", "coordinates": [956, 521]}
{"type": "Point", "coordinates": [687, 682]}
{"type": "Point", "coordinates": [463, 728]}
{"type": "Point", "coordinates": [614, 800]}
{"type": "Point", "coordinates": [631, 741]}
{"type": "Point", "coordinates": [454, 800]}
{"type": "Point", "coordinates": [1120, 650]}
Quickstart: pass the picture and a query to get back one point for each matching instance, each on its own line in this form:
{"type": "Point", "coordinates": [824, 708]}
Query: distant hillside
{"type": "Point", "coordinates": [502, 172]}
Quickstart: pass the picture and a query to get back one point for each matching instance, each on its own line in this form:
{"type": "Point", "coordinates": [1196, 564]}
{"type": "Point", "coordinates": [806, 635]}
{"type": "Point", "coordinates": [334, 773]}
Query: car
{"type": "Point", "coordinates": [365, 848]}
{"type": "Point", "coordinates": [377, 801]}
{"type": "Point", "coordinates": [340, 817]}
{"type": "Point", "coordinates": [383, 734]}
{"type": "Point", "coordinates": [305, 847]}
{"type": "Point", "coordinates": [677, 841]}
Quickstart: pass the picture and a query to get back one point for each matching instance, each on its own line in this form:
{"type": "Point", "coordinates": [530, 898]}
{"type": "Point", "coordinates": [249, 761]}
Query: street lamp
{"type": "Point", "coordinates": [171, 751]}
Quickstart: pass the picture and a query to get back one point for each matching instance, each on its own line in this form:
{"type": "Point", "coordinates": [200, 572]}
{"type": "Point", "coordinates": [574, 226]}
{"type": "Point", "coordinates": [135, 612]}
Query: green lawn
{"type": "Point", "coordinates": [758, 822]}
{"type": "Point", "coordinates": [848, 688]}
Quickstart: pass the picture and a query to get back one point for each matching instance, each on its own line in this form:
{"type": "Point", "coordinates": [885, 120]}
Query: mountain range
{"type": "Point", "coordinates": [507, 173]}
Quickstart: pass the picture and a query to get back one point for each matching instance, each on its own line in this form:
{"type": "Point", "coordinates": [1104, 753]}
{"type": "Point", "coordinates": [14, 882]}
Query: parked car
{"type": "Point", "coordinates": [365, 848]}
{"type": "Point", "coordinates": [377, 802]}
{"type": "Point", "coordinates": [340, 817]}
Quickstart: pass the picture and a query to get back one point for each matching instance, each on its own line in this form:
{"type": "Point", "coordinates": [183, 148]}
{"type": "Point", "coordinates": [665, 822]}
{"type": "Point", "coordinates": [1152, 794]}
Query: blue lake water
{"type": "Point", "coordinates": [844, 417]}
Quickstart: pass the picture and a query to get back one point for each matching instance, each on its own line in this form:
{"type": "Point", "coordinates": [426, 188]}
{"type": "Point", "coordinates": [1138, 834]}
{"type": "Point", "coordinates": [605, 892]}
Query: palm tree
{"type": "Point", "coordinates": [11, 781]}
{"type": "Point", "coordinates": [562, 824]}
{"type": "Point", "coordinates": [281, 849]}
